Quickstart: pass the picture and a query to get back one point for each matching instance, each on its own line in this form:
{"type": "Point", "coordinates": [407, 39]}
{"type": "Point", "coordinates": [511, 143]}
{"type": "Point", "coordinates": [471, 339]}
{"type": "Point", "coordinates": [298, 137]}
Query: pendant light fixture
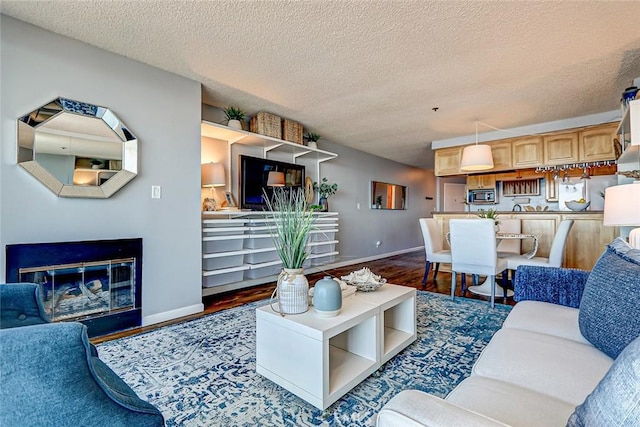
{"type": "Point", "coordinates": [476, 157]}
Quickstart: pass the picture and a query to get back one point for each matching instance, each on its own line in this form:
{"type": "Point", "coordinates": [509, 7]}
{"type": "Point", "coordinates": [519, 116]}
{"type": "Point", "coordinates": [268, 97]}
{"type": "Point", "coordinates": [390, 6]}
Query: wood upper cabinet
{"type": "Point", "coordinates": [501, 152]}
{"type": "Point", "coordinates": [447, 161]}
{"type": "Point", "coordinates": [475, 182]}
{"type": "Point", "coordinates": [561, 148]}
{"type": "Point", "coordinates": [527, 152]}
{"type": "Point", "coordinates": [597, 144]}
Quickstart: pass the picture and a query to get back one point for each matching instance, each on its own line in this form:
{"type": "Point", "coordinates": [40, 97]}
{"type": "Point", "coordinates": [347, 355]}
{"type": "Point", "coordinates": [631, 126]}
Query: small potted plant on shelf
{"type": "Point", "coordinates": [234, 117]}
{"type": "Point", "coordinates": [291, 224]}
{"type": "Point", "coordinates": [325, 190]}
{"type": "Point", "coordinates": [96, 164]}
{"type": "Point", "coordinates": [491, 214]}
{"type": "Point", "coordinates": [311, 139]}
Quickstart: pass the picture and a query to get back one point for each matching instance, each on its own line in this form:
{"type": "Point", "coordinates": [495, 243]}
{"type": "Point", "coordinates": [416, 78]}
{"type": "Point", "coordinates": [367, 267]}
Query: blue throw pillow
{"type": "Point", "coordinates": [616, 399]}
{"type": "Point", "coordinates": [610, 305]}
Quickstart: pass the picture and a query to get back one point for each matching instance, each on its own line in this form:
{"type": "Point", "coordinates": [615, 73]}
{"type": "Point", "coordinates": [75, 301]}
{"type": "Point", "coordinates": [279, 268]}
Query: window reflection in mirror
{"type": "Point", "coordinates": [71, 146]}
{"type": "Point", "coordinates": [388, 196]}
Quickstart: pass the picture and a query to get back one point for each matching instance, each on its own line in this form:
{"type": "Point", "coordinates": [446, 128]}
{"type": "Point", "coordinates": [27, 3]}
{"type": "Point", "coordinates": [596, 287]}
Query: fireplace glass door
{"type": "Point", "coordinates": [80, 290]}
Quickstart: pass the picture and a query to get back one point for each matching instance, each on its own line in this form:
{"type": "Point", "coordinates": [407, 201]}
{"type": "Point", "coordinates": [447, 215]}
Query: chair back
{"type": "Point", "coordinates": [511, 246]}
{"type": "Point", "coordinates": [559, 243]}
{"type": "Point", "coordinates": [431, 235]}
{"type": "Point", "coordinates": [473, 246]}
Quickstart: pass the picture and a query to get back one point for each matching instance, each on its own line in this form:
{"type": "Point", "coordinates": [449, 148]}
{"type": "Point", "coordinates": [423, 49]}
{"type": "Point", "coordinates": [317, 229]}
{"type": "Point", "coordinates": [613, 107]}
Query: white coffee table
{"type": "Point", "coordinates": [321, 359]}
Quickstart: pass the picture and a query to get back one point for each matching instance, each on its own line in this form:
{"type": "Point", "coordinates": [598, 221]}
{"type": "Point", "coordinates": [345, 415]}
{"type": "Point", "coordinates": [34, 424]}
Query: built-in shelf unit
{"type": "Point", "coordinates": [629, 132]}
{"type": "Point", "coordinates": [237, 249]}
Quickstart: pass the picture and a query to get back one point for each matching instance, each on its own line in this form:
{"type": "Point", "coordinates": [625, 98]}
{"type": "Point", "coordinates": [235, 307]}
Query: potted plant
{"type": "Point", "coordinates": [290, 226]}
{"type": "Point", "coordinates": [312, 139]}
{"type": "Point", "coordinates": [324, 190]}
{"type": "Point", "coordinates": [234, 117]}
{"type": "Point", "coordinates": [95, 164]}
{"type": "Point", "coordinates": [491, 214]}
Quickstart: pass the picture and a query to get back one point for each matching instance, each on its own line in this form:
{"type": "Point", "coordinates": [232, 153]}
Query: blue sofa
{"type": "Point", "coordinates": [51, 375]}
{"type": "Point", "coordinates": [568, 354]}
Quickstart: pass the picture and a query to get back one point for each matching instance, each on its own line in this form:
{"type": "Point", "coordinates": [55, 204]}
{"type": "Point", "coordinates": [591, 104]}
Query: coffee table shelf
{"type": "Point", "coordinates": [321, 359]}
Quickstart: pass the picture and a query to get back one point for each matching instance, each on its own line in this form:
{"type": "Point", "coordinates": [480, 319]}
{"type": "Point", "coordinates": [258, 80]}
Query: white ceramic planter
{"type": "Point", "coordinates": [235, 124]}
{"type": "Point", "coordinates": [293, 291]}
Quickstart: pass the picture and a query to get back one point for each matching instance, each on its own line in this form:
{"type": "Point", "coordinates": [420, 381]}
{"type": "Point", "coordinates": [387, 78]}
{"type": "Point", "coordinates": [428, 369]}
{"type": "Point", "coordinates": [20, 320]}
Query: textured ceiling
{"type": "Point", "coordinates": [366, 74]}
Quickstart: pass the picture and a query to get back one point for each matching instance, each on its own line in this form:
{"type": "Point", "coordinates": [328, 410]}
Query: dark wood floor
{"type": "Point", "coordinates": [406, 269]}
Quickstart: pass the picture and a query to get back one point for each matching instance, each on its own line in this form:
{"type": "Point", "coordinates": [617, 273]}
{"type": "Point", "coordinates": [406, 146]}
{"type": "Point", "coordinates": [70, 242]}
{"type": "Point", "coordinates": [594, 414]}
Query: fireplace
{"type": "Point", "coordinates": [98, 283]}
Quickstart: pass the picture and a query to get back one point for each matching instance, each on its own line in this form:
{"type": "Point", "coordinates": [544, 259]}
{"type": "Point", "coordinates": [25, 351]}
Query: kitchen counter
{"type": "Point", "coordinates": [586, 241]}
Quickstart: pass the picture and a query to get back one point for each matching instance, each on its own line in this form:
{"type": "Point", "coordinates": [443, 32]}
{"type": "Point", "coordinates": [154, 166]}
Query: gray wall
{"type": "Point", "coordinates": [360, 229]}
{"type": "Point", "coordinates": [162, 109]}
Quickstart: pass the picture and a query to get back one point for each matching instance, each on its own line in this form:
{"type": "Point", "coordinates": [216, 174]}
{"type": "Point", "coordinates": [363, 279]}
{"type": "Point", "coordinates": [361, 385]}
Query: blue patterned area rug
{"type": "Point", "coordinates": [202, 372]}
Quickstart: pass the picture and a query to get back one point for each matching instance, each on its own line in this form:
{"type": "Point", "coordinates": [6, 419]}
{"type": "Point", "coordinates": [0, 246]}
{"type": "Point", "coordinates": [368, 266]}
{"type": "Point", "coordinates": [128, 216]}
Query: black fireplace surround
{"type": "Point", "coordinates": [98, 282]}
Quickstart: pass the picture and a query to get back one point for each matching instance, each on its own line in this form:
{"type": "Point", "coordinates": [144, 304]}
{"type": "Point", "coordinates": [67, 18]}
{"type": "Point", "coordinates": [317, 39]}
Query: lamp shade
{"type": "Point", "coordinates": [275, 179]}
{"type": "Point", "coordinates": [212, 175]}
{"type": "Point", "coordinates": [622, 205]}
{"type": "Point", "coordinates": [476, 157]}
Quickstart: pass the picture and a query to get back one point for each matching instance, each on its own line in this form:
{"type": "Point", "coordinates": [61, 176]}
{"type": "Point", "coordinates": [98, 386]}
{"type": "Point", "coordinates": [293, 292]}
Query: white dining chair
{"type": "Point", "coordinates": [509, 247]}
{"type": "Point", "coordinates": [473, 251]}
{"type": "Point", "coordinates": [556, 254]}
{"type": "Point", "coordinates": [434, 251]}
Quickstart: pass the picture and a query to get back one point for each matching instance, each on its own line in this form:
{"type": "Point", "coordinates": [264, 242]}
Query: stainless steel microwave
{"type": "Point", "coordinates": [484, 196]}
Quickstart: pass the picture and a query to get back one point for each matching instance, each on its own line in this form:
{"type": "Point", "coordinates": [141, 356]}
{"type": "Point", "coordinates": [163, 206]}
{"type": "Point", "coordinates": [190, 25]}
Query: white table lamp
{"type": "Point", "coordinates": [275, 179]}
{"type": "Point", "coordinates": [212, 175]}
{"type": "Point", "coordinates": [622, 209]}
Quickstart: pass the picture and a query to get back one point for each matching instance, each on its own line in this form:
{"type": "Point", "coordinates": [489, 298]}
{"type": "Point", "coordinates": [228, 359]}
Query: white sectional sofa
{"type": "Point", "coordinates": [540, 367]}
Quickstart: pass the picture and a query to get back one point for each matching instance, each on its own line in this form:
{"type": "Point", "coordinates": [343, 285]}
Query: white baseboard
{"type": "Point", "coordinates": [172, 314]}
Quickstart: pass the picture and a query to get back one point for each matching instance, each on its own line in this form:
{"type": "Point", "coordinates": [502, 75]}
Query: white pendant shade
{"type": "Point", "coordinates": [275, 179]}
{"type": "Point", "coordinates": [212, 175]}
{"type": "Point", "coordinates": [476, 158]}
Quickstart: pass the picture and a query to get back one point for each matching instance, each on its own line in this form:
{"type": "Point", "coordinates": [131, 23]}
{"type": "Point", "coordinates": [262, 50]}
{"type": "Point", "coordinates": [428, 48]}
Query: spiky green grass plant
{"type": "Point", "coordinates": [292, 222]}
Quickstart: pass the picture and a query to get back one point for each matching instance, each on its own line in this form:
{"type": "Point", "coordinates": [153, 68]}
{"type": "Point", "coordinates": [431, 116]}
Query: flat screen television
{"type": "Point", "coordinates": [254, 173]}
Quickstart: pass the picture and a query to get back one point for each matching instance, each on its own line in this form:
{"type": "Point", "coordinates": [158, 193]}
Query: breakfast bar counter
{"type": "Point", "coordinates": [585, 243]}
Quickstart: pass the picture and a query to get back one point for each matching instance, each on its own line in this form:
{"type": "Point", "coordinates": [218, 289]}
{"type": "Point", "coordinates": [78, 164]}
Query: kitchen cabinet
{"type": "Point", "coordinates": [587, 240]}
{"type": "Point", "coordinates": [447, 161]}
{"type": "Point", "coordinates": [523, 187]}
{"type": "Point", "coordinates": [527, 152]}
{"type": "Point", "coordinates": [561, 148]}
{"type": "Point", "coordinates": [484, 181]}
{"type": "Point", "coordinates": [501, 152]}
{"type": "Point", "coordinates": [597, 144]}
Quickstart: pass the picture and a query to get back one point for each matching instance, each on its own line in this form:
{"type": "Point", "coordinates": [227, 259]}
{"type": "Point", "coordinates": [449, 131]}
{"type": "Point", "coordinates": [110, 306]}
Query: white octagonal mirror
{"type": "Point", "coordinates": [77, 149]}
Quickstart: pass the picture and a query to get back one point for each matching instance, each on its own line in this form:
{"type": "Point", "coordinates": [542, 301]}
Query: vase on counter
{"type": "Point", "coordinates": [325, 204]}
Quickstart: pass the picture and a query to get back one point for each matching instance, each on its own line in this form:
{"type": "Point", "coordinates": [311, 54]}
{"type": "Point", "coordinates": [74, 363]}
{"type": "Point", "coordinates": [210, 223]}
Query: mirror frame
{"type": "Point", "coordinates": [374, 205]}
{"type": "Point", "coordinates": [26, 133]}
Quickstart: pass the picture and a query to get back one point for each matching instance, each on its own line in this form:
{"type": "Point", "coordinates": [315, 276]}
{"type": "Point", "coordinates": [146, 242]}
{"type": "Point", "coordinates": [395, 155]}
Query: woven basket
{"type": "Point", "coordinates": [291, 131]}
{"type": "Point", "coordinates": [266, 124]}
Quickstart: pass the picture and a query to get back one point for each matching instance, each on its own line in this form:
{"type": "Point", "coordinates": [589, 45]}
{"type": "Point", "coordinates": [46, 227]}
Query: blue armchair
{"type": "Point", "coordinates": [51, 374]}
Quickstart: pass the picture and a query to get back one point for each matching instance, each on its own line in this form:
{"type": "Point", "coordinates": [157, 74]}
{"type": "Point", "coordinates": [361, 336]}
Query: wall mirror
{"type": "Point", "coordinates": [388, 196]}
{"type": "Point", "coordinates": [77, 149]}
